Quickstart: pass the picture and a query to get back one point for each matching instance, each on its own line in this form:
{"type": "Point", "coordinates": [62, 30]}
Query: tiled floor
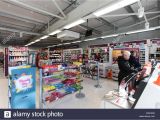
{"type": "Point", "coordinates": [3, 90]}
{"type": "Point", "coordinates": [93, 96]}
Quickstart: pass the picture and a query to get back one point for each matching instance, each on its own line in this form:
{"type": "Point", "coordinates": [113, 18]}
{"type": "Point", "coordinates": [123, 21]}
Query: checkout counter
{"type": "Point", "coordinates": [147, 94]}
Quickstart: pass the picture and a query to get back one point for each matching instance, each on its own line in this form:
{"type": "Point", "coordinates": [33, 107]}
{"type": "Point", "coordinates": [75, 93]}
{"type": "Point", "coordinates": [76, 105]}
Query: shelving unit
{"type": "Point", "coordinates": [43, 57]}
{"type": "Point", "coordinates": [102, 51]}
{"type": "Point", "coordinates": [72, 55]}
{"type": "Point", "coordinates": [155, 55]}
{"type": "Point", "coordinates": [17, 56]}
{"type": "Point", "coordinates": [142, 56]}
{"type": "Point", "coordinates": [55, 56]}
{"type": "Point", "coordinates": [85, 55]}
{"type": "Point", "coordinates": [56, 82]}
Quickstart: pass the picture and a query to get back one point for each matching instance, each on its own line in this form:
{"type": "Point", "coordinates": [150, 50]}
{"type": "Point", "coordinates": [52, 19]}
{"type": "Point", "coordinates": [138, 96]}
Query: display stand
{"type": "Point", "coordinates": [80, 94]}
{"type": "Point", "coordinates": [98, 84]}
{"type": "Point", "coordinates": [95, 65]}
{"type": "Point", "coordinates": [22, 87]}
{"type": "Point", "coordinates": [56, 82]}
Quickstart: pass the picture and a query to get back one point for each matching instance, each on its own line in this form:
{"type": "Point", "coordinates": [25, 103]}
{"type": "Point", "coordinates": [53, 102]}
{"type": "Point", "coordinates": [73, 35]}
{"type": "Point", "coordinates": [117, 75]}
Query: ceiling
{"type": "Point", "coordinates": [21, 21]}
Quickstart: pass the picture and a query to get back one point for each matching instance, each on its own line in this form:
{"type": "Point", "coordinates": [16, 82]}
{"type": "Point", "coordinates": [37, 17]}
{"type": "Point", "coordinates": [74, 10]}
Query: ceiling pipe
{"type": "Point", "coordinates": [128, 14]}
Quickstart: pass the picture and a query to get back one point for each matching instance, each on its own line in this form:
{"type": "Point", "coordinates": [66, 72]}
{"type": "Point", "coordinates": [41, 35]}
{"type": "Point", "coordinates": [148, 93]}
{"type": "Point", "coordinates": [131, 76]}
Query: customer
{"type": "Point", "coordinates": [124, 66]}
{"type": "Point", "coordinates": [134, 62]}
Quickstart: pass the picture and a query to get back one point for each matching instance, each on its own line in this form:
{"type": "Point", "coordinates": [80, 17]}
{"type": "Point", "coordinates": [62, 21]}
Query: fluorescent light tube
{"type": "Point", "coordinates": [77, 42]}
{"type": "Point", "coordinates": [114, 6]}
{"type": "Point", "coordinates": [66, 43]}
{"type": "Point", "coordinates": [59, 44]}
{"type": "Point", "coordinates": [44, 37]}
{"type": "Point", "coordinates": [90, 39]}
{"type": "Point", "coordinates": [55, 32]}
{"type": "Point", "coordinates": [112, 35]}
{"type": "Point", "coordinates": [32, 42]}
{"type": "Point", "coordinates": [37, 40]}
{"type": "Point", "coordinates": [80, 21]}
{"type": "Point", "coordinates": [52, 46]}
{"type": "Point", "coordinates": [142, 30]}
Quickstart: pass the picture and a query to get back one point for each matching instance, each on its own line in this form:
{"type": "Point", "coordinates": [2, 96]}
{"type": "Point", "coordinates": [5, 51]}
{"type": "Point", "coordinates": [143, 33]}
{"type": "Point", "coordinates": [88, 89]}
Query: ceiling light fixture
{"type": "Point", "coordinates": [141, 12]}
{"type": "Point", "coordinates": [37, 40]}
{"type": "Point", "coordinates": [55, 32]}
{"type": "Point", "coordinates": [66, 43]}
{"type": "Point", "coordinates": [44, 37]}
{"type": "Point", "coordinates": [76, 42]}
{"type": "Point", "coordinates": [59, 44]}
{"type": "Point", "coordinates": [142, 30]}
{"type": "Point", "coordinates": [114, 6]}
{"type": "Point", "coordinates": [90, 39]}
{"type": "Point", "coordinates": [80, 21]}
{"type": "Point", "coordinates": [128, 33]}
{"type": "Point", "coordinates": [112, 35]}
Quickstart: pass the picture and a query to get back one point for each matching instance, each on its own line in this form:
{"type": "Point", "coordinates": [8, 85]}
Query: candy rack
{"type": "Point", "coordinates": [56, 82]}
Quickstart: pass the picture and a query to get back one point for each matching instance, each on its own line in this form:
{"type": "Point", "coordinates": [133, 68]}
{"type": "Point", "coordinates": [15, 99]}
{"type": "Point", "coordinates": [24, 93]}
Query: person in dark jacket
{"type": "Point", "coordinates": [134, 61]}
{"type": "Point", "coordinates": [124, 66]}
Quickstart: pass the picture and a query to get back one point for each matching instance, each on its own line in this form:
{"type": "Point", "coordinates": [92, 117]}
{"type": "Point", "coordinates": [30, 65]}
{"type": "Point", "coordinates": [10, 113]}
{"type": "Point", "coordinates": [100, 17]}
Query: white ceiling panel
{"type": "Point", "coordinates": [93, 23]}
{"type": "Point", "coordinates": [6, 7]}
{"type": "Point", "coordinates": [124, 22]}
{"type": "Point", "coordinates": [120, 11]}
{"type": "Point", "coordinates": [103, 28]}
{"type": "Point", "coordinates": [47, 5]}
{"type": "Point", "coordinates": [78, 29]}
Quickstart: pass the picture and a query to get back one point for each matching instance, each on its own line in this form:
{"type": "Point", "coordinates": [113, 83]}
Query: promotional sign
{"type": "Point", "coordinates": [23, 88]}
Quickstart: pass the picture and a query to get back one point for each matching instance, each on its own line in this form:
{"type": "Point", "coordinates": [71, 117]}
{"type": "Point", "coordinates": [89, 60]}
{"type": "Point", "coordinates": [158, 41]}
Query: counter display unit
{"type": "Point", "coordinates": [126, 97]}
{"type": "Point", "coordinates": [103, 70]}
{"type": "Point", "coordinates": [56, 82]}
{"type": "Point", "coordinates": [149, 98]}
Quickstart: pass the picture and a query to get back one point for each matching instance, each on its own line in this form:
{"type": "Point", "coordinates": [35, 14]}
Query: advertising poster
{"type": "Point", "coordinates": [23, 90]}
